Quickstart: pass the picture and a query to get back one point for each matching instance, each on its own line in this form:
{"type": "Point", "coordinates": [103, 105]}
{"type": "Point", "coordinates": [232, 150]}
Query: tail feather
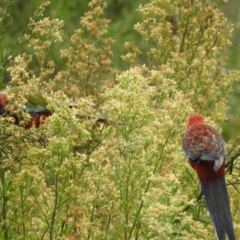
{"type": "Point", "coordinates": [218, 205]}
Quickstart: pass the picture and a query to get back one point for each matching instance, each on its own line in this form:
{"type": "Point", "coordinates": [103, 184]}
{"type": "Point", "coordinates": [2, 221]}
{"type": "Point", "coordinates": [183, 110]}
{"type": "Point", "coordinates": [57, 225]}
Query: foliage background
{"type": "Point", "coordinates": [126, 179]}
{"type": "Point", "coordinates": [123, 16]}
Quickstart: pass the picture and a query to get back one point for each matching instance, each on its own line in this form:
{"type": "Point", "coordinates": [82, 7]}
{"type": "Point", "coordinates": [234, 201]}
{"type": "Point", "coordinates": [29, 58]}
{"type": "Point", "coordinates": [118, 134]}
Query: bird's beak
{"type": "Point", "coordinates": [218, 205]}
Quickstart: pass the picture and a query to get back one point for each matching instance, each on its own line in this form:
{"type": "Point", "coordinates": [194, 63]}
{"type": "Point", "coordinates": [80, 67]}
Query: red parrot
{"type": "Point", "coordinates": [206, 151]}
{"type": "Point", "coordinates": [37, 113]}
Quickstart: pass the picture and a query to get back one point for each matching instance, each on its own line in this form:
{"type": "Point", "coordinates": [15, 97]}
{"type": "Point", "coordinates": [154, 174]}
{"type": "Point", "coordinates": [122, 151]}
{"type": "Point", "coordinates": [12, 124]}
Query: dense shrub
{"type": "Point", "coordinates": [125, 178]}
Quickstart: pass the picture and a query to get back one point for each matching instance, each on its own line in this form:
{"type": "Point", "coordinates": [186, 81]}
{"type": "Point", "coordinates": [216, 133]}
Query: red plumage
{"type": "Point", "coordinates": [205, 149]}
{"type": "Point", "coordinates": [3, 102]}
{"type": "Point", "coordinates": [205, 171]}
{"type": "Point", "coordinates": [37, 120]}
{"type": "Point", "coordinates": [38, 115]}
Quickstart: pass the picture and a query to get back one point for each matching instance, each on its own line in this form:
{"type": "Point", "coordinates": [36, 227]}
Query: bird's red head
{"type": "Point", "coordinates": [3, 100]}
{"type": "Point", "coordinates": [195, 119]}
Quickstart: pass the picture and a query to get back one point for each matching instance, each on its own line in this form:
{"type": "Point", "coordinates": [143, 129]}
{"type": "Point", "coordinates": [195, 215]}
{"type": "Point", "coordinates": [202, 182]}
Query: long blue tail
{"type": "Point", "coordinates": [217, 200]}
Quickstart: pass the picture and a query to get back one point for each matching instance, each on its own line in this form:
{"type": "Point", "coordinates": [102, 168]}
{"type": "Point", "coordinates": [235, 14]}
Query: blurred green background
{"type": "Point", "coordinates": [232, 126]}
{"type": "Point", "coordinates": [123, 16]}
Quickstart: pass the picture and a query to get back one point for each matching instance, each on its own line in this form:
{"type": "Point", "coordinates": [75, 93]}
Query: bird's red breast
{"type": "Point", "coordinates": [36, 121]}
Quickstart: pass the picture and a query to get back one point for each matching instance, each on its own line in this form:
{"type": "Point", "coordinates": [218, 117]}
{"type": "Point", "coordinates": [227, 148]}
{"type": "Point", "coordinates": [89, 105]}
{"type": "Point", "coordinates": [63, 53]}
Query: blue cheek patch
{"type": "Point", "coordinates": [2, 111]}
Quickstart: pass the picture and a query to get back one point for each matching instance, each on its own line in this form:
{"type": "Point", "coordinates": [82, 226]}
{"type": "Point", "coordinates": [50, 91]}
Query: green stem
{"type": "Point", "coordinates": [51, 237]}
{"type": "Point", "coordinates": [22, 211]}
{"type": "Point", "coordinates": [4, 205]}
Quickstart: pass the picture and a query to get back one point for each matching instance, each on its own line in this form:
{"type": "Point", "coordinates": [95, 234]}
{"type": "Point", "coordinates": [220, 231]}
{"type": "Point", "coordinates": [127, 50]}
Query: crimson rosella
{"type": "Point", "coordinates": [206, 151]}
{"type": "Point", "coordinates": [37, 112]}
